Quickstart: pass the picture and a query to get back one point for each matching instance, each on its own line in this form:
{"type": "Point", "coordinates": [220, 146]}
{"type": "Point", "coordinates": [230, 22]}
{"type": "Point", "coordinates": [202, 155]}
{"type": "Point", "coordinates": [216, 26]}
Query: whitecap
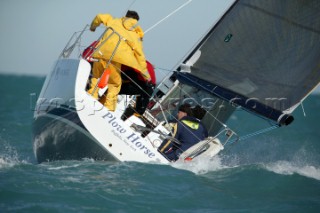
{"type": "Point", "coordinates": [71, 179]}
{"type": "Point", "coordinates": [290, 168]}
{"type": "Point", "coordinates": [64, 167]}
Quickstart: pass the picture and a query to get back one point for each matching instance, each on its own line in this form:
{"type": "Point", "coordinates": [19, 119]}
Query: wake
{"type": "Point", "coordinates": [290, 168]}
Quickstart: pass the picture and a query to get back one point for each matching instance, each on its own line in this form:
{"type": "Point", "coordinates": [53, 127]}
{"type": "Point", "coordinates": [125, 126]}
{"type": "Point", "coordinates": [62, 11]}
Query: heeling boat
{"type": "Point", "coordinates": [262, 57]}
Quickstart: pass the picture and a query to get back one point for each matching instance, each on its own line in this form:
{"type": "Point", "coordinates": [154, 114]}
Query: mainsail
{"type": "Point", "coordinates": [262, 55]}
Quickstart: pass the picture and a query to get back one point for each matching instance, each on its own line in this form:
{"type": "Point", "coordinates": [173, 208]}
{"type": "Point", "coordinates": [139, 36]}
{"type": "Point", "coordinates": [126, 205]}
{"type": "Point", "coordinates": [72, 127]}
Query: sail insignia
{"type": "Point", "coordinates": [228, 37]}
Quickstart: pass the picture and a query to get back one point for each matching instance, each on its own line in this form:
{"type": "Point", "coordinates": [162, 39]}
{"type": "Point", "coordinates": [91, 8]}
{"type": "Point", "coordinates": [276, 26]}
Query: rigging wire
{"type": "Point", "coordinates": [302, 107]}
{"type": "Point", "coordinates": [132, 3]}
{"type": "Point", "coordinates": [181, 89]}
{"type": "Point", "coordinates": [152, 98]}
{"type": "Point", "coordinates": [261, 131]}
{"type": "Point", "coordinates": [163, 19]}
{"type": "Point", "coordinates": [170, 14]}
{"type": "Point", "coordinates": [220, 122]}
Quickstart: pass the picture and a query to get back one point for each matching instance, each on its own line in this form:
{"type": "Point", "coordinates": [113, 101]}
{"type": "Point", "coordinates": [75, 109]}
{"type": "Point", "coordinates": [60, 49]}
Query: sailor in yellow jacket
{"type": "Point", "coordinates": [129, 52]}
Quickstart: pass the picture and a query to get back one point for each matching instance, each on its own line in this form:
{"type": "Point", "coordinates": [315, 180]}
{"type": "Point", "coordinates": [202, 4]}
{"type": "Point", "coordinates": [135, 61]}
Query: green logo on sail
{"type": "Point", "coordinates": [228, 38]}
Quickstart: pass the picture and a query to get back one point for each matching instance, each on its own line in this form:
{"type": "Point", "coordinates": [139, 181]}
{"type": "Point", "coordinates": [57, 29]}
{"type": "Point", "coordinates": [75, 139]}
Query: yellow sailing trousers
{"type": "Point", "coordinates": [110, 99]}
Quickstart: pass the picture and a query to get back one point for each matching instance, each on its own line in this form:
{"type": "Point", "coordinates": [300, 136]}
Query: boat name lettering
{"type": "Point", "coordinates": [133, 138]}
{"type": "Point", "coordinates": [114, 123]}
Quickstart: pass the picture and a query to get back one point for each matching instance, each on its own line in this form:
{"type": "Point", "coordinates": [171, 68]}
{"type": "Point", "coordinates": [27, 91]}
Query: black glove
{"type": "Point", "coordinates": [149, 85]}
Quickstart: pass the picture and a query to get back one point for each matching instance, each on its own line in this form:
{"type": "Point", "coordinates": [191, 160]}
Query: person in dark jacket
{"type": "Point", "coordinates": [187, 132]}
{"type": "Point", "coordinates": [134, 84]}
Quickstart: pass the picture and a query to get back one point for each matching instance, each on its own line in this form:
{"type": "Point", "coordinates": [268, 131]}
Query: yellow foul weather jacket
{"type": "Point", "coordinates": [130, 49]}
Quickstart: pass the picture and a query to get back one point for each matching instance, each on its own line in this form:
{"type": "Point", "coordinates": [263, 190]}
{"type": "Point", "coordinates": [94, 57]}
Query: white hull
{"type": "Point", "coordinates": [70, 124]}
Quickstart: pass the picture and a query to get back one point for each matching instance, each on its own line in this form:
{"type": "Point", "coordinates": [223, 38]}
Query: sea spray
{"type": "Point", "coordinates": [200, 165]}
{"type": "Point", "coordinates": [9, 156]}
{"type": "Point", "coordinates": [290, 168]}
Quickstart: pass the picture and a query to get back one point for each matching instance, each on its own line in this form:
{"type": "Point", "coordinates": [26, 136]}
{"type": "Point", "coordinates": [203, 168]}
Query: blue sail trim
{"type": "Point", "coordinates": [251, 105]}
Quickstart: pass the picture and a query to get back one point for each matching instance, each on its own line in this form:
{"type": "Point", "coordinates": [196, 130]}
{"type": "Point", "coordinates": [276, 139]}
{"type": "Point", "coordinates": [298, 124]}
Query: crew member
{"type": "Point", "coordinates": [135, 84]}
{"type": "Point", "coordinates": [188, 131]}
{"type": "Point", "coordinates": [129, 52]}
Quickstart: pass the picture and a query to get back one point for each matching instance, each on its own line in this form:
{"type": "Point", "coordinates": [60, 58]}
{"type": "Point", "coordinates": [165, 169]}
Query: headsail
{"type": "Point", "coordinates": [262, 55]}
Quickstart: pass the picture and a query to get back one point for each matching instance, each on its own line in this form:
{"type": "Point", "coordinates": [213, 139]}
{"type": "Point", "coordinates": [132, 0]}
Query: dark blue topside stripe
{"type": "Point", "coordinates": [66, 112]}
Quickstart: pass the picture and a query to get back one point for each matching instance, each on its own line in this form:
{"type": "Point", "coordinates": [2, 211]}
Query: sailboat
{"type": "Point", "coordinates": [260, 57]}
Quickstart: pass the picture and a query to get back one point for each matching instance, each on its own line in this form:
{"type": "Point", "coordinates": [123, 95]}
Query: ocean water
{"type": "Point", "coordinates": [278, 171]}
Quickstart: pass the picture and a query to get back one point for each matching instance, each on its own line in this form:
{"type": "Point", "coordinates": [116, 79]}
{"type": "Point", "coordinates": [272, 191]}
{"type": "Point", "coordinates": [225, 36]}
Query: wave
{"type": "Point", "coordinates": [56, 165]}
{"type": "Point", "coordinates": [290, 168]}
{"type": "Point", "coordinates": [64, 167]}
{"type": "Point", "coordinates": [302, 163]}
{"type": "Point", "coordinates": [279, 167]}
